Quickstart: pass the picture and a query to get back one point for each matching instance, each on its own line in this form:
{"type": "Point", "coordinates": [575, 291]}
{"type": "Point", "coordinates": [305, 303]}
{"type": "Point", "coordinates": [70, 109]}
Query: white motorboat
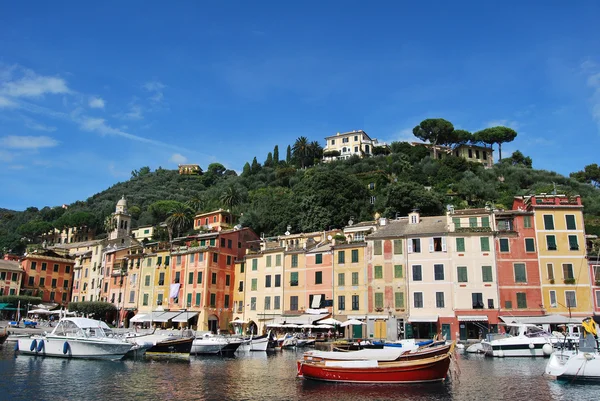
{"type": "Point", "coordinates": [476, 348]}
{"type": "Point", "coordinates": [215, 344]}
{"type": "Point", "coordinates": [259, 343]}
{"type": "Point", "coordinates": [582, 364]}
{"type": "Point", "coordinates": [76, 337]}
{"type": "Point", "coordinates": [162, 343]}
{"type": "Point", "coordinates": [521, 340]}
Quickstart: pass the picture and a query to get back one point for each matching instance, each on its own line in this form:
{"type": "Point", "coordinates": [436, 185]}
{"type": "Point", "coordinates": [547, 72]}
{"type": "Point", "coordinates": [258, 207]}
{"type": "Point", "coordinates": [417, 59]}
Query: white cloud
{"type": "Point", "coordinates": [5, 102]}
{"type": "Point", "coordinates": [38, 127]}
{"type": "Point", "coordinates": [405, 135]}
{"type": "Point", "coordinates": [156, 88]}
{"type": "Point", "coordinates": [96, 103]}
{"type": "Point", "coordinates": [178, 158]}
{"type": "Point", "coordinates": [504, 123]}
{"type": "Point", "coordinates": [27, 142]}
{"type": "Point", "coordinates": [135, 113]}
{"type": "Point", "coordinates": [32, 85]}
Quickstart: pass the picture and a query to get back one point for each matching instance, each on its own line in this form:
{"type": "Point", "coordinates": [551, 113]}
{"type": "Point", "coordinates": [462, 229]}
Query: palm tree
{"type": "Point", "coordinates": [231, 197]}
{"type": "Point", "coordinates": [300, 149]}
{"type": "Point", "coordinates": [196, 203]}
{"type": "Point", "coordinates": [179, 219]}
{"type": "Point", "coordinates": [315, 151]}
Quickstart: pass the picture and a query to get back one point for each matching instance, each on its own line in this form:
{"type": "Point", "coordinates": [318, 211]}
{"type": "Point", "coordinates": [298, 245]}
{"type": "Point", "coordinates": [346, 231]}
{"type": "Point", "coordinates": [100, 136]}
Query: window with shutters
{"type": "Point", "coordinates": [417, 273]}
{"type": "Point", "coordinates": [570, 218]}
{"type": "Point", "coordinates": [318, 277]}
{"type": "Point", "coordinates": [551, 242]}
{"type": "Point", "coordinates": [520, 273]}
{"type": "Point", "coordinates": [486, 274]}
{"type": "Point", "coordinates": [267, 303]}
{"type": "Point", "coordinates": [399, 300]}
{"type": "Point", "coordinates": [521, 300]}
{"type": "Point", "coordinates": [341, 279]}
{"type": "Point", "coordinates": [294, 260]}
{"type": "Point", "coordinates": [456, 221]}
{"type": "Point", "coordinates": [277, 302]}
{"type": "Point", "coordinates": [189, 300]}
{"type": "Point", "coordinates": [568, 271]}
{"type": "Point", "coordinates": [397, 247]}
{"type": "Point", "coordinates": [214, 278]}
{"type": "Point", "coordinates": [397, 271]}
{"type": "Point", "coordinates": [379, 300]}
{"type": "Point", "coordinates": [319, 258]}
{"type": "Point", "coordinates": [355, 302]}
{"type": "Point", "coordinates": [485, 244]}
{"type": "Point", "coordinates": [439, 300]}
{"type": "Point", "coordinates": [504, 247]}
{"type": "Point", "coordinates": [571, 299]}
{"type": "Point", "coordinates": [145, 300]}
{"type": "Point", "coordinates": [355, 256]}
{"type": "Point", "coordinates": [527, 221]}
{"type": "Point", "coordinates": [377, 247]}
{"type": "Point", "coordinates": [268, 281]}
{"type": "Point", "coordinates": [553, 303]}
{"type": "Point", "coordinates": [550, 270]}
{"type": "Point", "coordinates": [460, 244]}
{"type": "Point", "coordinates": [277, 260]}
{"type": "Point", "coordinates": [438, 272]}
{"type": "Point", "coordinates": [355, 278]}
{"type": "Point", "coordinates": [573, 244]}
{"type": "Point", "coordinates": [341, 302]}
{"type": "Point", "coordinates": [213, 300]}
{"type": "Point", "coordinates": [254, 264]}
{"type": "Point", "coordinates": [227, 280]}
{"type": "Point", "coordinates": [199, 278]}
{"type": "Point", "coordinates": [294, 279]}
{"type": "Point", "coordinates": [548, 222]}
{"type": "Point", "coordinates": [418, 300]}
{"type": "Point", "coordinates": [147, 281]}
{"type": "Point", "coordinates": [253, 303]}
{"type": "Point", "coordinates": [268, 260]}
{"type": "Point", "coordinates": [254, 285]}
{"type": "Point", "coordinates": [477, 298]}
{"type": "Point", "coordinates": [197, 299]}
{"type": "Point", "coordinates": [461, 272]}
{"type": "Point", "coordinates": [414, 245]}
{"type": "Point", "coordinates": [378, 272]}
{"type": "Point", "coordinates": [278, 280]}
{"type": "Point", "coordinates": [437, 244]}
{"type": "Point", "coordinates": [342, 257]}
{"type": "Point", "coordinates": [529, 245]}
{"type": "Point", "coordinates": [472, 221]}
{"type": "Point", "coordinates": [485, 221]}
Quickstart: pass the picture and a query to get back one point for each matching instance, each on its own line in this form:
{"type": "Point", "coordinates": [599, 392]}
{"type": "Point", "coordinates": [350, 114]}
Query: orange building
{"type": "Point", "coordinates": [48, 275]}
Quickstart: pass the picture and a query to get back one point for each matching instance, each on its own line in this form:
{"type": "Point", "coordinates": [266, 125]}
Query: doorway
{"type": "Point", "coordinates": [213, 324]}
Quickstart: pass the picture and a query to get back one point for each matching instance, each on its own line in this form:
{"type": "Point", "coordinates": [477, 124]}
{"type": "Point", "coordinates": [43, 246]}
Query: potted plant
{"type": "Point", "coordinates": [569, 281]}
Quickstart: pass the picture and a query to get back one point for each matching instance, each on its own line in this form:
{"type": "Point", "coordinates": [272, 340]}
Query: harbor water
{"type": "Point", "coordinates": [262, 376]}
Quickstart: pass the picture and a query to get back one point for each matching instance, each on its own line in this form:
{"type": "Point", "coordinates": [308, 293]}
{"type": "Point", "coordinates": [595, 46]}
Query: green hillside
{"type": "Point", "coordinates": [273, 195]}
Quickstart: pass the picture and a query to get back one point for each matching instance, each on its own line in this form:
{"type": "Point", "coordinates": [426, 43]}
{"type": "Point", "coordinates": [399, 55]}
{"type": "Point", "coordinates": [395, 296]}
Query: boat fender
{"type": "Point", "coordinates": [66, 347]}
{"type": "Point", "coordinates": [33, 345]}
{"type": "Point", "coordinates": [40, 346]}
{"type": "Point", "coordinates": [547, 349]}
{"type": "Point", "coordinates": [531, 346]}
{"type": "Point", "coordinates": [500, 354]}
{"type": "Point", "coordinates": [588, 356]}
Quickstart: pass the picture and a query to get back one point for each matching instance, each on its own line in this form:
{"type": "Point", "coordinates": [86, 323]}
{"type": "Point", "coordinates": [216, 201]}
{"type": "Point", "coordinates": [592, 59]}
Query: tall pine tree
{"type": "Point", "coordinates": [276, 156]}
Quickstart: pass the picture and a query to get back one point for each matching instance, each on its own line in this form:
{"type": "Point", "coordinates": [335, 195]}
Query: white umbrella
{"type": "Point", "coordinates": [329, 321]}
{"type": "Point", "coordinates": [274, 325]}
{"type": "Point", "coordinates": [352, 322]}
{"type": "Point", "coordinates": [292, 326]}
{"type": "Point", "coordinates": [324, 326]}
{"type": "Point", "coordinates": [39, 311]}
{"type": "Point", "coordinates": [309, 326]}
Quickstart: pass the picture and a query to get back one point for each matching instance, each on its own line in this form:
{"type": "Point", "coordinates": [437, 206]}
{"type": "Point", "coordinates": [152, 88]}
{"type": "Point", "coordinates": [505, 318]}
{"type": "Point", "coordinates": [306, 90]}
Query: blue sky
{"type": "Point", "coordinates": [89, 92]}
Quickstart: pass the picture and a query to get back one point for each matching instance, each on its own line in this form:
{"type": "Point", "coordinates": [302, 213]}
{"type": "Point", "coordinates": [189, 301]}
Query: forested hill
{"type": "Point", "coordinates": [270, 196]}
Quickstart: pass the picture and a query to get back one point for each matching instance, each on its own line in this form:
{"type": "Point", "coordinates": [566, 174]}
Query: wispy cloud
{"type": "Point", "coordinates": [32, 85]}
{"type": "Point", "coordinates": [5, 102]}
{"type": "Point", "coordinates": [591, 70]}
{"type": "Point", "coordinates": [96, 103]}
{"type": "Point", "coordinates": [505, 123]}
{"type": "Point", "coordinates": [135, 113]}
{"type": "Point", "coordinates": [27, 142]}
{"type": "Point", "coordinates": [178, 158]}
{"type": "Point", "coordinates": [156, 90]}
{"type": "Point", "coordinates": [32, 124]}
{"type": "Point", "coordinates": [405, 135]}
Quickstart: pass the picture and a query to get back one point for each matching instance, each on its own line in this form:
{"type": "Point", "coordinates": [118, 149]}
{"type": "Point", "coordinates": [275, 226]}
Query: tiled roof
{"type": "Point", "coordinates": [465, 212]}
{"type": "Point", "coordinates": [10, 265]}
{"type": "Point", "coordinates": [402, 228]}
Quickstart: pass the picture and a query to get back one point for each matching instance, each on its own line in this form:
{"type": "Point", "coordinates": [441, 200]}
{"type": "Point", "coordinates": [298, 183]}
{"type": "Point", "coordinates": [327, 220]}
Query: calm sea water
{"type": "Point", "coordinates": [260, 376]}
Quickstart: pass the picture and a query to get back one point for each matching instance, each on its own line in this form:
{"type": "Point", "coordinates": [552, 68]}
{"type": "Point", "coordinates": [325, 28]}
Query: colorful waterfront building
{"type": "Point", "coordinates": [10, 276]}
{"type": "Point", "coordinates": [472, 273]}
{"type": "Point", "coordinates": [350, 294]}
{"type": "Point", "coordinates": [560, 235]}
{"type": "Point", "coordinates": [155, 278]}
{"type": "Point", "coordinates": [385, 279]}
{"type": "Point", "coordinates": [519, 281]}
{"type": "Point", "coordinates": [49, 275]}
{"type": "Point", "coordinates": [204, 283]}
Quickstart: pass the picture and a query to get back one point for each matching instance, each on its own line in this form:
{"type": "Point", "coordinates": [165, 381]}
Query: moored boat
{"type": "Point", "coordinates": [76, 338]}
{"type": "Point", "coordinates": [259, 343]}
{"type": "Point", "coordinates": [430, 369]}
{"type": "Point", "coordinates": [521, 340]}
{"type": "Point", "coordinates": [212, 344]}
{"type": "Point", "coordinates": [582, 364]}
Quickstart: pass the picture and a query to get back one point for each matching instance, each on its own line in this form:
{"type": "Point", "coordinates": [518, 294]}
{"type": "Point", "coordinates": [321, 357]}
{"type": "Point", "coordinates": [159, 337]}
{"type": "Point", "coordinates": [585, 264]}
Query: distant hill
{"type": "Point", "coordinates": [270, 197]}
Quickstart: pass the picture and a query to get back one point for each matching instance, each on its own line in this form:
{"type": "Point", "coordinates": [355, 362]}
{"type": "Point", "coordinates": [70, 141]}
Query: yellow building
{"type": "Point", "coordinates": [154, 278]}
{"type": "Point", "coordinates": [560, 236]}
{"type": "Point", "coordinates": [354, 143]}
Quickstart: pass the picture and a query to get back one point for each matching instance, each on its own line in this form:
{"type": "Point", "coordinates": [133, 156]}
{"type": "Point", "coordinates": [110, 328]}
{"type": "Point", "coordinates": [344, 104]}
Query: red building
{"type": "Point", "coordinates": [48, 275]}
{"type": "Point", "coordinates": [202, 275]}
{"type": "Point", "coordinates": [517, 263]}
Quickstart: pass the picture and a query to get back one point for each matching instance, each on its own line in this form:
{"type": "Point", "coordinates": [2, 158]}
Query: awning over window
{"type": "Point", "coordinates": [166, 316]}
{"type": "Point", "coordinates": [378, 317]}
{"type": "Point", "coordinates": [423, 319]}
{"type": "Point", "coordinates": [4, 306]}
{"type": "Point", "coordinates": [300, 319]}
{"type": "Point", "coordinates": [184, 317]}
{"type": "Point", "coordinates": [478, 318]}
{"type": "Point", "coordinates": [547, 319]}
{"type": "Point", "coordinates": [138, 318]}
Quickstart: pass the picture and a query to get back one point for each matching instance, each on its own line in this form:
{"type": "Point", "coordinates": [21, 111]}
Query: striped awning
{"type": "Point", "coordinates": [474, 318]}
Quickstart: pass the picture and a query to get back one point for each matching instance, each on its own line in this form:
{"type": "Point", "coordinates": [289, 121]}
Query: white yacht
{"type": "Point", "coordinates": [210, 343]}
{"type": "Point", "coordinates": [76, 337]}
{"type": "Point", "coordinates": [520, 340]}
{"type": "Point", "coordinates": [258, 343]}
{"type": "Point", "coordinates": [581, 364]}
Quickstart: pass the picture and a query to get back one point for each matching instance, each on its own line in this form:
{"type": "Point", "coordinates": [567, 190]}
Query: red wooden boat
{"type": "Point", "coordinates": [430, 369]}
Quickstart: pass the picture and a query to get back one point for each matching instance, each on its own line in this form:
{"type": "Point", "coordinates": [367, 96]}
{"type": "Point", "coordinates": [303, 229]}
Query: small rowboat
{"type": "Point", "coordinates": [430, 369]}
